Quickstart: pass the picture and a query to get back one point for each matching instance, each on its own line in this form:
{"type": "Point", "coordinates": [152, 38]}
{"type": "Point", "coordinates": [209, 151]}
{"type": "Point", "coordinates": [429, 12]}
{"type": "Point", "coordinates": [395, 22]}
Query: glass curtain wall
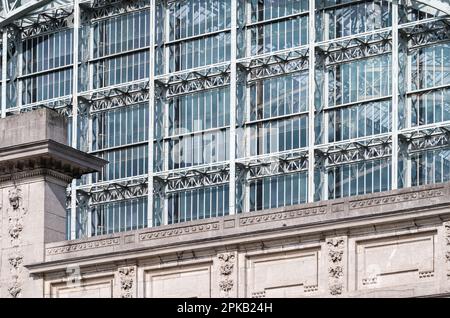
{"type": "Point", "coordinates": [169, 123]}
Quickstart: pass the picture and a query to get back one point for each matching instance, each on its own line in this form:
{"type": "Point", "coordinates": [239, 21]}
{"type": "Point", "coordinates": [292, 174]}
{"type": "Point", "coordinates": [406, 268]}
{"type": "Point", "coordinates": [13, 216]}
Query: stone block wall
{"type": "Point", "coordinates": [393, 244]}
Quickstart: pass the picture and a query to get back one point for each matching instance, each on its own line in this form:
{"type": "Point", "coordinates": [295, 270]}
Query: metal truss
{"type": "Point", "coordinates": [428, 33]}
{"type": "Point", "coordinates": [351, 151]}
{"type": "Point", "coordinates": [273, 164]}
{"type": "Point", "coordinates": [117, 96]}
{"type": "Point", "coordinates": [97, 9]}
{"type": "Point", "coordinates": [194, 177]}
{"type": "Point", "coordinates": [45, 22]}
{"type": "Point", "coordinates": [440, 5]}
{"type": "Point", "coordinates": [425, 138]}
{"type": "Point", "coordinates": [52, 16]}
{"type": "Point", "coordinates": [62, 105]}
{"type": "Point", "coordinates": [117, 190]}
{"type": "Point", "coordinates": [269, 65]}
{"type": "Point", "coordinates": [180, 83]}
{"type": "Point", "coordinates": [355, 47]}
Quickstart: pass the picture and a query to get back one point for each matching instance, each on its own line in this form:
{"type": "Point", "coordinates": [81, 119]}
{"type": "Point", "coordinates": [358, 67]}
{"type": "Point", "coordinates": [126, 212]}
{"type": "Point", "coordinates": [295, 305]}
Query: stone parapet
{"type": "Point", "coordinates": [362, 246]}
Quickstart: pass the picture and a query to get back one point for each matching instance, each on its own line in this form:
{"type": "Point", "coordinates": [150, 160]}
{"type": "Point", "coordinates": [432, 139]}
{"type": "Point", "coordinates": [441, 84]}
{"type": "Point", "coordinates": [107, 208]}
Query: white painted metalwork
{"type": "Point", "coordinates": [317, 57]}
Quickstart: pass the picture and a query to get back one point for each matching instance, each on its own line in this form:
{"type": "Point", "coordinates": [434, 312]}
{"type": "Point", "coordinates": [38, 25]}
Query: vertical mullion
{"type": "Point", "coordinates": [4, 67]}
{"type": "Point", "coordinates": [76, 24]}
{"type": "Point", "coordinates": [151, 102]}
{"type": "Point", "coordinates": [311, 88]}
{"type": "Point", "coordinates": [395, 61]}
{"type": "Point", "coordinates": [233, 98]}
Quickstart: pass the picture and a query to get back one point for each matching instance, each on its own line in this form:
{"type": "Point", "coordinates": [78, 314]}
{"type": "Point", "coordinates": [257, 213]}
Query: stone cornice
{"type": "Point", "coordinates": [334, 215]}
{"type": "Point", "coordinates": [28, 174]}
{"type": "Point", "coordinates": [49, 155]}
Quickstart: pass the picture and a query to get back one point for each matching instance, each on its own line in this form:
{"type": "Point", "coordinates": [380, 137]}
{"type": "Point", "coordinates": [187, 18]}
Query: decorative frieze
{"type": "Point", "coordinates": [336, 248]}
{"type": "Point", "coordinates": [277, 216]}
{"type": "Point", "coordinates": [426, 274]}
{"type": "Point", "coordinates": [405, 197]}
{"type": "Point", "coordinates": [310, 288]}
{"type": "Point", "coordinates": [82, 246]}
{"type": "Point", "coordinates": [179, 231]}
{"type": "Point", "coordinates": [260, 294]}
{"type": "Point", "coordinates": [226, 267]}
{"type": "Point", "coordinates": [127, 281]}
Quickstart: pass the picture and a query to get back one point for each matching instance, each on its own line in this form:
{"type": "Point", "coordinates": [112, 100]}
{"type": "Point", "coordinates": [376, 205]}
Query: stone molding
{"type": "Point", "coordinates": [257, 221]}
{"type": "Point", "coordinates": [46, 154]}
{"type": "Point", "coordinates": [36, 173]}
{"type": "Point", "coordinates": [83, 246]}
{"type": "Point", "coordinates": [391, 199]}
{"type": "Point", "coordinates": [190, 229]}
{"type": "Point", "coordinates": [277, 216]}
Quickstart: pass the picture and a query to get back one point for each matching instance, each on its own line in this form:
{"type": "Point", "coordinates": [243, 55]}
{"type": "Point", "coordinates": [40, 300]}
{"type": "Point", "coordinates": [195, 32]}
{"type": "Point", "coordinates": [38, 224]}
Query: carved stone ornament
{"type": "Point", "coordinates": [14, 290]}
{"type": "Point", "coordinates": [335, 256]}
{"type": "Point", "coordinates": [15, 197]}
{"type": "Point", "coordinates": [226, 267]}
{"type": "Point", "coordinates": [16, 215]}
{"type": "Point", "coordinates": [336, 289]}
{"type": "Point", "coordinates": [127, 277]}
{"type": "Point", "coordinates": [336, 272]}
{"type": "Point", "coordinates": [15, 260]}
{"type": "Point", "coordinates": [336, 265]}
{"type": "Point", "coordinates": [447, 252]}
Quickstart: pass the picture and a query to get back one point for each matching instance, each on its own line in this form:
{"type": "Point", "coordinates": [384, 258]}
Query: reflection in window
{"type": "Point", "coordinates": [359, 178]}
{"type": "Point", "coordinates": [126, 125]}
{"type": "Point", "coordinates": [431, 166]}
{"type": "Point", "coordinates": [199, 111]}
{"type": "Point", "coordinates": [119, 216]}
{"type": "Point", "coordinates": [336, 20]}
{"type": "Point", "coordinates": [122, 69]}
{"type": "Point", "coordinates": [197, 149]}
{"type": "Point", "coordinates": [278, 191]}
{"type": "Point", "coordinates": [279, 96]}
{"type": "Point", "coordinates": [359, 121]}
{"type": "Point", "coordinates": [198, 204]}
{"type": "Point", "coordinates": [121, 33]}
{"type": "Point", "coordinates": [430, 66]}
{"type": "Point", "coordinates": [123, 163]}
{"type": "Point", "coordinates": [277, 136]}
{"type": "Point", "coordinates": [359, 80]}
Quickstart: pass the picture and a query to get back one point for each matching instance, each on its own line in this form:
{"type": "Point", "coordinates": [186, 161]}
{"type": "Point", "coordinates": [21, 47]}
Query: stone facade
{"type": "Point", "coordinates": [391, 244]}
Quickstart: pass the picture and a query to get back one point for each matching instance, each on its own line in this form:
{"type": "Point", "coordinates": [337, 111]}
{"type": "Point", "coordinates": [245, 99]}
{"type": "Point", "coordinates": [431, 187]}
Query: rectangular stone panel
{"type": "Point", "coordinates": [395, 261]}
{"type": "Point", "coordinates": [286, 274]}
{"type": "Point", "coordinates": [179, 282]}
{"type": "Point", "coordinates": [90, 288]}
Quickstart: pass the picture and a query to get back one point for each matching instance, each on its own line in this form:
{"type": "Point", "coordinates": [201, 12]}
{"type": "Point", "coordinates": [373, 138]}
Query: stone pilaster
{"type": "Point", "coordinates": [35, 168]}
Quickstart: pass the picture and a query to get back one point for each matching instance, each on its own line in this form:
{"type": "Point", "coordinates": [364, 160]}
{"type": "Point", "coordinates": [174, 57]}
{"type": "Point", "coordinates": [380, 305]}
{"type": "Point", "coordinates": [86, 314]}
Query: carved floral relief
{"type": "Point", "coordinates": [226, 267]}
{"type": "Point", "coordinates": [127, 281]}
{"type": "Point", "coordinates": [336, 265]}
{"type": "Point", "coordinates": [16, 213]}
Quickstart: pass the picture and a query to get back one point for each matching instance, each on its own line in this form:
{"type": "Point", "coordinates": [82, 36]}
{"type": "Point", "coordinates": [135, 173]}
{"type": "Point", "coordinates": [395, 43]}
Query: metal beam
{"type": "Point", "coordinates": [440, 5]}
{"type": "Point", "coordinates": [311, 99]}
{"type": "Point", "coordinates": [22, 11]}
